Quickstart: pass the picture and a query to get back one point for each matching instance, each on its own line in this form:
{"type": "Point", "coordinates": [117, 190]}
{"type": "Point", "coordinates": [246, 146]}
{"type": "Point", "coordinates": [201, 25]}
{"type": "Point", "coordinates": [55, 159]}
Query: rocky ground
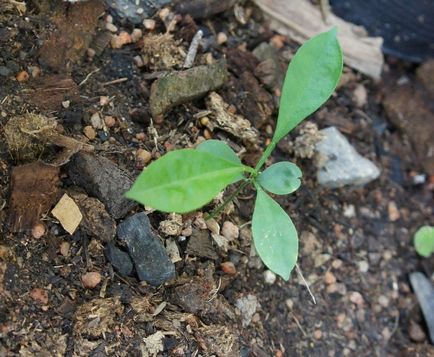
{"type": "Point", "coordinates": [88, 99]}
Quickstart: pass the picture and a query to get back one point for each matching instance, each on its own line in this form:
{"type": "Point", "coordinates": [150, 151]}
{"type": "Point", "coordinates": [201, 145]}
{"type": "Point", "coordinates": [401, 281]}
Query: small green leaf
{"type": "Point", "coordinates": [424, 241]}
{"type": "Point", "coordinates": [310, 80]}
{"type": "Point", "coordinates": [183, 180]}
{"type": "Point", "coordinates": [281, 178]}
{"type": "Point", "coordinates": [219, 148]}
{"type": "Point", "coordinates": [274, 235]}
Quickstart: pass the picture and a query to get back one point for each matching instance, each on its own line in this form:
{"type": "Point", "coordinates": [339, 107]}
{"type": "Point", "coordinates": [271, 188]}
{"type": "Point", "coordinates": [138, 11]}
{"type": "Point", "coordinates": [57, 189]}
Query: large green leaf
{"type": "Point", "coordinates": [222, 150]}
{"type": "Point", "coordinates": [219, 148]}
{"type": "Point", "coordinates": [183, 180]}
{"type": "Point", "coordinates": [310, 80]}
{"type": "Point", "coordinates": [274, 235]}
{"type": "Point", "coordinates": [424, 241]}
{"type": "Point", "coordinates": [281, 178]}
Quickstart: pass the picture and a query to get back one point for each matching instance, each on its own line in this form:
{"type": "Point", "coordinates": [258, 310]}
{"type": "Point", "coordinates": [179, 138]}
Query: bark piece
{"type": "Point", "coordinates": [102, 178]}
{"type": "Point", "coordinates": [301, 20]}
{"type": "Point", "coordinates": [202, 9]}
{"type": "Point", "coordinates": [35, 188]}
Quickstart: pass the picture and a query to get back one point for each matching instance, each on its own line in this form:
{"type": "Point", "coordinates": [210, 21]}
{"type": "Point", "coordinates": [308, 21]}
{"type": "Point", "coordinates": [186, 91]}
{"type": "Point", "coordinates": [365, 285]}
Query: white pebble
{"type": "Point", "coordinates": [269, 277]}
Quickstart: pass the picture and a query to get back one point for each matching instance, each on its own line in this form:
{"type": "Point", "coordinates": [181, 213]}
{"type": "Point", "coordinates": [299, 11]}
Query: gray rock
{"type": "Point", "coordinates": [424, 291]}
{"type": "Point", "coordinates": [340, 163]}
{"type": "Point", "coordinates": [4, 71]}
{"type": "Point", "coordinates": [181, 87]}
{"type": "Point", "coordinates": [102, 178]}
{"type": "Point", "coordinates": [135, 11]}
{"type": "Point", "coordinates": [120, 260]}
{"type": "Point", "coordinates": [147, 252]}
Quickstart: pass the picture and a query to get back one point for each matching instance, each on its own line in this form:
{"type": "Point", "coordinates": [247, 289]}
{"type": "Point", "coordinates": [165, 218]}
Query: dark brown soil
{"type": "Point", "coordinates": [356, 247]}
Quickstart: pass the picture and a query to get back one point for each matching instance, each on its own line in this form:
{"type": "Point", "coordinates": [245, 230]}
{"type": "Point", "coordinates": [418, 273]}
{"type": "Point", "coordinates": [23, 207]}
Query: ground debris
{"type": "Point", "coordinates": [200, 244]}
{"type": "Point", "coordinates": [96, 317]}
{"type": "Point", "coordinates": [162, 52]}
{"type": "Point", "coordinates": [231, 123]}
{"type": "Point", "coordinates": [202, 9]}
{"type": "Point", "coordinates": [218, 340]}
{"type": "Point", "coordinates": [50, 91]}
{"type": "Point", "coordinates": [153, 344]}
{"type": "Point", "coordinates": [34, 191]}
{"type": "Point", "coordinates": [96, 221]}
{"type": "Point", "coordinates": [28, 135]}
{"type": "Point", "coordinates": [76, 25]}
{"type": "Point", "coordinates": [181, 87]}
{"type": "Point", "coordinates": [102, 178]}
{"type": "Point", "coordinates": [407, 109]}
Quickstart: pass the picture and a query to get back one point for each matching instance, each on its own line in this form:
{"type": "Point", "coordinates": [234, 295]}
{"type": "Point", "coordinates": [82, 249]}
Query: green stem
{"type": "Point", "coordinates": [265, 156]}
{"type": "Point", "coordinates": [226, 202]}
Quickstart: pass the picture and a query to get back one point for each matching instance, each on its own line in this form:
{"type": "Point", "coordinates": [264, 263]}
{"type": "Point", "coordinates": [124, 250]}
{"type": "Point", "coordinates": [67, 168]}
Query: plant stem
{"type": "Point", "coordinates": [265, 156]}
{"type": "Point", "coordinates": [226, 202]}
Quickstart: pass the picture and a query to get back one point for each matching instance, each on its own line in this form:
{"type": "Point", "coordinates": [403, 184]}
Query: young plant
{"type": "Point", "coordinates": [187, 179]}
{"type": "Point", "coordinates": [424, 241]}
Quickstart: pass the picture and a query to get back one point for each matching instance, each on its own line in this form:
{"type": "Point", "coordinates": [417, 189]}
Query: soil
{"type": "Point", "coordinates": [356, 248]}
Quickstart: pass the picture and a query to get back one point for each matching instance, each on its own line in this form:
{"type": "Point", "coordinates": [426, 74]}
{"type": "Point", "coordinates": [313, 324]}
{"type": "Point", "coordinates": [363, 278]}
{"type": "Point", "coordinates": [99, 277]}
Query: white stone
{"type": "Point", "coordinates": [269, 277]}
{"type": "Point", "coordinates": [343, 165]}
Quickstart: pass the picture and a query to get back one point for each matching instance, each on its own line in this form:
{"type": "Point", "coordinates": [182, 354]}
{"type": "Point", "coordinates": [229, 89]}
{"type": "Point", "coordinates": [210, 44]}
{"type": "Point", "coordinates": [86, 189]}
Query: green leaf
{"type": "Point", "coordinates": [281, 178]}
{"type": "Point", "coordinates": [219, 148]}
{"type": "Point", "coordinates": [183, 180]}
{"type": "Point", "coordinates": [424, 241]}
{"type": "Point", "coordinates": [274, 235]}
{"type": "Point", "coordinates": [310, 80]}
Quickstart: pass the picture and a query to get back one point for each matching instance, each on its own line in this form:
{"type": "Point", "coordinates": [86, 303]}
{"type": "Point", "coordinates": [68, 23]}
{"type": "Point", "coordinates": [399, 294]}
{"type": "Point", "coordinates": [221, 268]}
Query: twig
{"type": "Point", "coordinates": [115, 81]}
{"type": "Point", "coordinates": [88, 76]}
{"type": "Point", "coordinates": [192, 50]}
{"type": "Point", "coordinates": [305, 283]}
{"type": "Point", "coordinates": [298, 324]}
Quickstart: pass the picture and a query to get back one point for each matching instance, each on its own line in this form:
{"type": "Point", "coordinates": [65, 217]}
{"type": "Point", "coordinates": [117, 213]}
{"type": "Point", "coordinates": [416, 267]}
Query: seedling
{"type": "Point", "coordinates": [187, 179]}
{"type": "Point", "coordinates": [424, 241]}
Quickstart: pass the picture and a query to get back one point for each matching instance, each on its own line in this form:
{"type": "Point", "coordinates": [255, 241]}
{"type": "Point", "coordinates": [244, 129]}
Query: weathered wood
{"type": "Point", "coordinates": [300, 20]}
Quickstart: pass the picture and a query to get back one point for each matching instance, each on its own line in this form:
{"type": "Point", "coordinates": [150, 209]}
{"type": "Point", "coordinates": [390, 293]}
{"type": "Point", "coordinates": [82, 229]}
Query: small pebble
{"type": "Point", "coordinates": [90, 53]}
{"type": "Point", "coordinates": [269, 277]}
{"type": "Point", "coordinates": [317, 334]}
{"type": "Point", "coordinates": [38, 230]}
{"type": "Point", "coordinates": [66, 104]}
{"type": "Point", "coordinates": [360, 95]}
{"type": "Point", "coordinates": [104, 100]}
{"type": "Point", "coordinates": [363, 266]}
{"type": "Point", "coordinates": [393, 211]}
{"type": "Point", "coordinates": [329, 278]}
{"type": "Point", "coordinates": [337, 263]}
{"type": "Point", "coordinates": [417, 334]}
{"type": "Point", "coordinates": [356, 298]}
{"type": "Point", "coordinates": [149, 24]}
{"type": "Point", "coordinates": [89, 132]}
{"type": "Point", "coordinates": [289, 303]}
{"type": "Point", "coordinates": [230, 231]}
{"type": "Point", "coordinates": [96, 121]}
{"type": "Point", "coordinates": [213, 226]}
{"type": "Point", "coordinates": [91, 280]}
{"type": "Point", "coordinates": [138, 61]}
{"type": "Point", "coordinates": [112, 28]}
{"type": "Point", "coordinates": [22, 76]}
{"type": "Point", "coordinates": [35, 71]}
{"type": "Point", "coordinates": [64, 248]}
{"type": "Point", "coordinates": [109, 19]}
{"type": "Point", "coordinates": [383, 301]}
{"type": "Point", "coordinates": [40, 295]}
{"type": "Point", "coordinates": [109, 121]}
{"type": "Point", "coordinates": [136, 35]}
{"type": "Point", "coordinates": [143, 157]}
{"type": "Point", "coordinates": [228, 268]}
{"type": "Point", "coordinates": [118, 41]}
{"type": "Point", "coordinates": [222, 38]}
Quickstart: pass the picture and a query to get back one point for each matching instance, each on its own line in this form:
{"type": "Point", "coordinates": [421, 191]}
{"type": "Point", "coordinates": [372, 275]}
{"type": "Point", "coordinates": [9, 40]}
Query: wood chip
{"type": "Point", "coordinates": [68, 214]}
